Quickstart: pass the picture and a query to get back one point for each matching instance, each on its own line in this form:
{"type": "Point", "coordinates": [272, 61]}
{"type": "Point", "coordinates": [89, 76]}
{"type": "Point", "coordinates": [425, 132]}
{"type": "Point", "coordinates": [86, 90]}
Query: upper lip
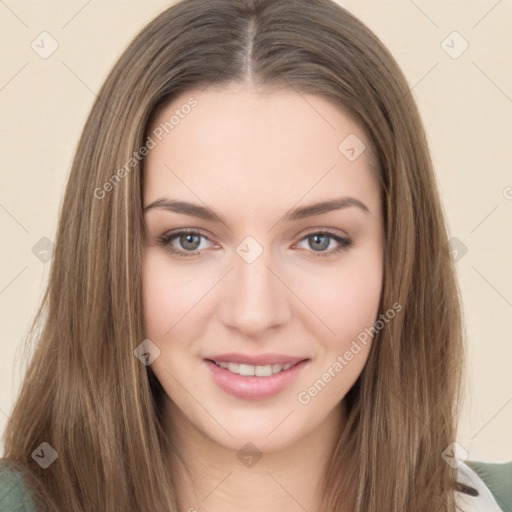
{"type": "Point", "coordinates": [256, 360]}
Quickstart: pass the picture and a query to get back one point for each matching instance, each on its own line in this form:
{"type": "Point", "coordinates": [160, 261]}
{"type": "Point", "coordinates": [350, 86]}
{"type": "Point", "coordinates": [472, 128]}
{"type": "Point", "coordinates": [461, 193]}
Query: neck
{"type": "Point", "coordinates": [214, 478]}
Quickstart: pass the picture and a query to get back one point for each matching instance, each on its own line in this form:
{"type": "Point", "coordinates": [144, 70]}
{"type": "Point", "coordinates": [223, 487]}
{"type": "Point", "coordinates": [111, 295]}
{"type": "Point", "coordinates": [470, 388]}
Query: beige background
{"type": "Point", "coordinates": [466, 104]}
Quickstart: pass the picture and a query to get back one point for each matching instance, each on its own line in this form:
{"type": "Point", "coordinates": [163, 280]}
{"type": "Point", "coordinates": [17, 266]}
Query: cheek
{"type": "Point", "coordinates": [346, 300]}
{"type": "Point", "coordinates": [169, 295]}
{"type": "Point", "coordinates": [170, 319]}
{"type": "Point", "coordinates": [348, 305]}
{"type": "Point", "coordinates": [156, 296]}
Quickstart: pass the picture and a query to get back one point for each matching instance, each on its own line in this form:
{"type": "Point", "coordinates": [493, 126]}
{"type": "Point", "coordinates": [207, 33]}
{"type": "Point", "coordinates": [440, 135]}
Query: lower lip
{"type": "Point", "coordinates": [252, 387]}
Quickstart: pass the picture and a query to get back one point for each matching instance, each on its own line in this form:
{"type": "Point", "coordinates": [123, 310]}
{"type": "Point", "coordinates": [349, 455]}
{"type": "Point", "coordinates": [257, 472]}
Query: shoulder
{"type": "Point", "coordinates": [486, 487]}
{"type": "Point", "coordinates": [14, 493]}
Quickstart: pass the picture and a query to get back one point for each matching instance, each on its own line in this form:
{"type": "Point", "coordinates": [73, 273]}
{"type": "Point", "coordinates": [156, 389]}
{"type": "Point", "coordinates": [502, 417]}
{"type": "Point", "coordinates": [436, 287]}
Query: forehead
{"type": "Point", "coordinates": [248, 142]}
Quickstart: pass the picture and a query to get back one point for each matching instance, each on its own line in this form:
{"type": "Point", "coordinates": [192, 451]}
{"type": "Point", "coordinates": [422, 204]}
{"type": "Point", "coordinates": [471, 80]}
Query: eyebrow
{"type": "Point", "coordinates": [205, 213]}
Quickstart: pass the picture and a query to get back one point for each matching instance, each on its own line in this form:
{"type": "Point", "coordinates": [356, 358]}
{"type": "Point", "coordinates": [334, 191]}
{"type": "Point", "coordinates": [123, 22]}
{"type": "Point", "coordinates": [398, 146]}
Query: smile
{"type": "Point", "coordinates": [254, 382]}
{"type": "Point", "coordinates": [250, 370]}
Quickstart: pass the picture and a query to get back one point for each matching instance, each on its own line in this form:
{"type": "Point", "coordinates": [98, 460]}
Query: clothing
{"type": "Point", "coordinates": [493, 483]}
{"type": "Point", "coordinates": [14, 495]}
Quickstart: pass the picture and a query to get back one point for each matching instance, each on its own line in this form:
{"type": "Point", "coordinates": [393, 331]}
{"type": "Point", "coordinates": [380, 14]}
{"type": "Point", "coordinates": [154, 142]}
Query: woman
{"type": "Point", "coordinates": [252, 302]}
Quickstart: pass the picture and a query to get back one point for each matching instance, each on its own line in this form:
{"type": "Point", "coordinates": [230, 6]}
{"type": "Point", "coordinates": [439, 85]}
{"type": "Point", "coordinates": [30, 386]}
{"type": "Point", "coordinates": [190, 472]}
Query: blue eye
{"type": "Point", "coordinates": [189, 242]}
{"type": "Point", "coordinates": [321, 240]}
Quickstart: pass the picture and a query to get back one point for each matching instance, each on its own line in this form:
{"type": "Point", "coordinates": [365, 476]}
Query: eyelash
{"type": "Point", "coordinates": [166, 239]}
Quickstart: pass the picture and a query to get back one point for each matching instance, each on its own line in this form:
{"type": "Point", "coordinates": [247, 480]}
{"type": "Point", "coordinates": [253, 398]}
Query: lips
{"type": "Point", "coordinates": [254, 377]}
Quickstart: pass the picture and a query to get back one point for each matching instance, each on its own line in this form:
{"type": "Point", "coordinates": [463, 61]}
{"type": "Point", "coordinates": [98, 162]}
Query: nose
{"type": "Point", "coordinates": [255, 298]}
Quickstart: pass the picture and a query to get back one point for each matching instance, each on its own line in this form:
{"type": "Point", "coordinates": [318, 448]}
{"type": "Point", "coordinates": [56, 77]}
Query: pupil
{"type": "Point", "coordinates": [189, 238]}
{"type": "Point", "coordinates": [324, 245]}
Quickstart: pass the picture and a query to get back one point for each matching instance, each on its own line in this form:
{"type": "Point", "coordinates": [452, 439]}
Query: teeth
{"type": "Point", "coordinates": [263, 371]}
{"type": "Point", "coordinates": [258, 371]}
{"type": "Point", "coordinates": [245, 369]}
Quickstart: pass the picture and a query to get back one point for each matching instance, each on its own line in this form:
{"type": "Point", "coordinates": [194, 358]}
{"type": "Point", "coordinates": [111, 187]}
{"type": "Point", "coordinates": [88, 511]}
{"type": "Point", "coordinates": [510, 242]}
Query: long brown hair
{"type": "Point", "coordinates": [86, 394]}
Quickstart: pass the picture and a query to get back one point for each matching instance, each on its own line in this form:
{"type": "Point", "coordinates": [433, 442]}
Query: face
{"type": "Point", "coordinates": [243, 274]}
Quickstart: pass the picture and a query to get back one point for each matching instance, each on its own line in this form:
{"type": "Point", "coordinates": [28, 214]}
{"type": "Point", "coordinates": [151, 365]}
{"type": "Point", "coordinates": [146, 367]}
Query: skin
{"type": "Point", "coordinates": [250, 157]}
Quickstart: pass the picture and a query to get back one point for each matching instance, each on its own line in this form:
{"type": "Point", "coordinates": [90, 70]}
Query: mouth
{"type": "Point", "coordinates": [243, 380]}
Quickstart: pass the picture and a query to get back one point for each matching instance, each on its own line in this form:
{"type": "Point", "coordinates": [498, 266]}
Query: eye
{"type": "Point", "coordinates": [319, 241]}
{"type": "Point", "coordinates": [187, 240]}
